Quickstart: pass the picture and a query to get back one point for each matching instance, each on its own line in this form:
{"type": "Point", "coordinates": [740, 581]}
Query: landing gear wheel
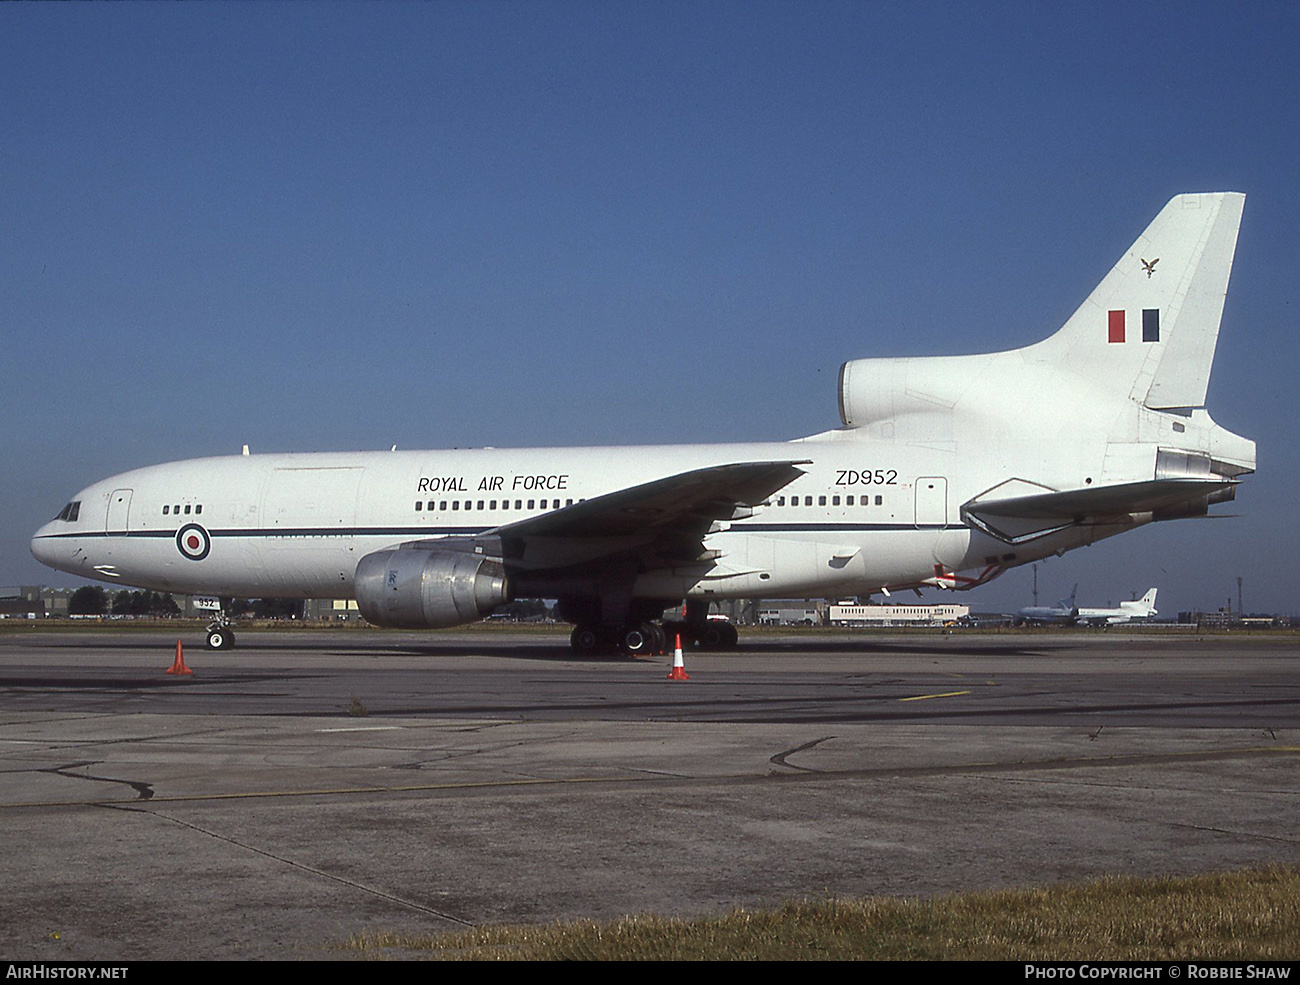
{"type": "Point", "coordinates": [220, 639]}
{"type": "Point", "coordinates": [639, 641]}
{"type": "Point", "coordinates": [710, 636]}
{"type": "Point", "coordinates": [717, 635]}
{"type": "Point", "coordinates": [660, 639]}
{"type": "Point", "coordinates": [585, 640]}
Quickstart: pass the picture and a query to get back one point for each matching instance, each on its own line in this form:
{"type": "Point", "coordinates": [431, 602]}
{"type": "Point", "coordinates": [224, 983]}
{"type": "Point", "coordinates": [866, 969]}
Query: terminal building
{"type": "Point", "coordinates": [896, 615]}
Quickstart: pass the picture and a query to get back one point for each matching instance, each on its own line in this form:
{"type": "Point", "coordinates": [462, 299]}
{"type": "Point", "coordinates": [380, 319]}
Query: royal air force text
{"type": "Point", "coordinates": [491, 483]}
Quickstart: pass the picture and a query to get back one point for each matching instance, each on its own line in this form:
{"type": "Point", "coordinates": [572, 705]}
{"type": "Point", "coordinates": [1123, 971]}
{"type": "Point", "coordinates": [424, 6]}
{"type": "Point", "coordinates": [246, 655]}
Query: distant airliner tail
{"type": "Point", "coordinates": [1068, 603]}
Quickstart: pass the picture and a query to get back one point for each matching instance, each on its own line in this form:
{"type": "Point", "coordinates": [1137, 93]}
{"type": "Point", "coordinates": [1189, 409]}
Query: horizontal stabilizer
{"type": "Point", "coordinates": [1017, 519]}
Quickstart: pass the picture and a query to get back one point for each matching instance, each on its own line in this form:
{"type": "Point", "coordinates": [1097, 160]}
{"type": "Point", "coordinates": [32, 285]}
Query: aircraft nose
{"type": "Point", "coordinates": [42, 546]}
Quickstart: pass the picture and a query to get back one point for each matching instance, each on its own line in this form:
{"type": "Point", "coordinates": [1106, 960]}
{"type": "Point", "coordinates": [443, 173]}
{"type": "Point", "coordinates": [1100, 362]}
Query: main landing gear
{"type": "Point", "coordinates": [652, 637]}
{"type": "Point", "coordinates": [615, 623]}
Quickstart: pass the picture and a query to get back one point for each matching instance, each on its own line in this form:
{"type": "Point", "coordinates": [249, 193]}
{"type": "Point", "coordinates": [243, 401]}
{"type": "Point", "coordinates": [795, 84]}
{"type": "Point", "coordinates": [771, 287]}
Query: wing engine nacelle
{"type": "Point", "coordinates": [415, 588]}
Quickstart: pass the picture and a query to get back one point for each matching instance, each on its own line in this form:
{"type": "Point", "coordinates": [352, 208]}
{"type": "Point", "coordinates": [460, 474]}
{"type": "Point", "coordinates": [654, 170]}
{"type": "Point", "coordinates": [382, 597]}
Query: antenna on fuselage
{"type": "Point", "coordinates": [245, 451]}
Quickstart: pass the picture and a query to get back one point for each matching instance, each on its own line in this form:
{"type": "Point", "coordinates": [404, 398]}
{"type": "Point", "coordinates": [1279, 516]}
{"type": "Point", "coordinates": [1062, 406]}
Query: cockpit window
{"type": "Point", "coordinates": [70, 512]}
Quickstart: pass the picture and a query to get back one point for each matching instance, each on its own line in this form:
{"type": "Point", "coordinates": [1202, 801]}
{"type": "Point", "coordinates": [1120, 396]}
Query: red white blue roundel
{"type": "Point", "coordinates": [193, 541]}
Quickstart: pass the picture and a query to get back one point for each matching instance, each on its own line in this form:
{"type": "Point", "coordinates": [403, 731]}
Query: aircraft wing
{"type": "Point", "coordinates": [1018, 518]}
{"type": "Point", "coordinates": [665, 520]}
{"type": "Point", "coordinates": [689, 501]}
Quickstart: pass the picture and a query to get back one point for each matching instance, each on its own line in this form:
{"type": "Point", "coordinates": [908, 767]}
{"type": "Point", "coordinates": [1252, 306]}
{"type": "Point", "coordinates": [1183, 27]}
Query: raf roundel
{"type": "Point", "coordinates": [193, 541]}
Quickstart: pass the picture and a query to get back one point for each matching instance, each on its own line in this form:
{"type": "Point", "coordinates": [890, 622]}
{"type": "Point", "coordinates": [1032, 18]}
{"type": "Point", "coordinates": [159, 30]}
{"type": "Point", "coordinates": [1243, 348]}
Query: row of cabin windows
{"type": "Point", "coordinates": [177, 509]}
{"type": "Point", "coordinates": [834, 500]}
{"type": "Point", "coordinates": [442, 505]}
{"type": "Point", "coordinates": [554, 504]}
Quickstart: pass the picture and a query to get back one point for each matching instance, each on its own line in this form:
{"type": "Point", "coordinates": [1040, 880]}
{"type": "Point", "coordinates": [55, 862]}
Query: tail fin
{"type": "Point", "coordinates": [1068, 603]}
{"type": "Point", "coordinates": [1148, 601]}
{"type": "Point", "coordinates": [1152, 324]}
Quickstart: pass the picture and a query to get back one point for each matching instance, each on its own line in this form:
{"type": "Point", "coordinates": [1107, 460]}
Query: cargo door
{"type": "Point", "coordinates": [931, 501]}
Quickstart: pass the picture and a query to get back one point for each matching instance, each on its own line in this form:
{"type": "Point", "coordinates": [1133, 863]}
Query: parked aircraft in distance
{"type": "Point", "coordinates": [1143, 608]}
{"type": "Point", "coordinates": [946, 472]}
{"type": "Point", "coordinates": [1065, 611]}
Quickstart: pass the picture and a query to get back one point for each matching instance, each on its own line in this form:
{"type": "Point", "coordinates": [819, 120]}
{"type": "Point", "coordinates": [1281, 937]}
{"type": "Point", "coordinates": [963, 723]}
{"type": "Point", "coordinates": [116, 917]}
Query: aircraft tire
{"type": "Point", "coordinates": [639, 641]}
{"type": "Point", "coordinates": [586, 640]}
{"type": "Point", "coordinates": [711, 635]}
{"type": "Point", "coordinates": [220, 639]}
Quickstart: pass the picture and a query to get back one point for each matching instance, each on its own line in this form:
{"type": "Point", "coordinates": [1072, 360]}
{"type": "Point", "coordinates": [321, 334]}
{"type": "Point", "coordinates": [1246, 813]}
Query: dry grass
{"type": "Point", "coordinates": [1233, 916]}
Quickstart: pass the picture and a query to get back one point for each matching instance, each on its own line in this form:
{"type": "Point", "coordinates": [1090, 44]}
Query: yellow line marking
{"type": "Point", "coordinates": [924, 697]}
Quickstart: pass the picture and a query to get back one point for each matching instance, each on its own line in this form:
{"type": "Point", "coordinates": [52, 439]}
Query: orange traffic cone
{"type": "Point", "coordinates": [678, 673]}
{"type": "Point", "coordinates": [178, 667]}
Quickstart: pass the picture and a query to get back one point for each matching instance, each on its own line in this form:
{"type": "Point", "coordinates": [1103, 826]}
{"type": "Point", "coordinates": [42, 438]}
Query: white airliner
{"type": "Point", "coordinates": [947, 471]}
{"type": "Point", "coordinates": [1066, 611]}
{"type": "Point", "coordinates": [1143, 608]}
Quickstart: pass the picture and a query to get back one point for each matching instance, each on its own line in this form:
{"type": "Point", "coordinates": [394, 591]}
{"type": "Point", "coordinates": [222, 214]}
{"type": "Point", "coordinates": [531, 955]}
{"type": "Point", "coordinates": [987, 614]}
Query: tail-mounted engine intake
{"type": "Point", "coordinates": [418, 588]}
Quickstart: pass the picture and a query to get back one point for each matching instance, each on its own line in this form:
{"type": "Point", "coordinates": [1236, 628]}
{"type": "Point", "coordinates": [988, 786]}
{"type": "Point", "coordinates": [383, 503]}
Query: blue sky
{"type": "Point", "coordinates": [341, 226]}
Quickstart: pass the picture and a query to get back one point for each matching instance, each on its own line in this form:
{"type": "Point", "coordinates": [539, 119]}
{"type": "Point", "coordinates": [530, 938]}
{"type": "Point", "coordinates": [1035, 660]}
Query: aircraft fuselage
{"type": "Point", "coordinates": [861, 517]}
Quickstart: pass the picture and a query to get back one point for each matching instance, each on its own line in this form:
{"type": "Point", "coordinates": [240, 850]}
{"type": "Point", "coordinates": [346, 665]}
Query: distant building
{"type": "Point", "coordinates": [1224, 619]}
{"type": "Point", "coordinates": [331, 610]}
{"type": "Point", "coordinates": [896, 615]}
{"type": "Point", "coordinates": [791, 612]}
{"type": "Point", "coordinates": [33, 601]}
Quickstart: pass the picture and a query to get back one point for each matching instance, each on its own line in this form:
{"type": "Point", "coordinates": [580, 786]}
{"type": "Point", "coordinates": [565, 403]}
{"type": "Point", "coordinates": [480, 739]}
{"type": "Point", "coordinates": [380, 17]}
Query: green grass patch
{"type": "Point", "coordinates": [1232, 916]}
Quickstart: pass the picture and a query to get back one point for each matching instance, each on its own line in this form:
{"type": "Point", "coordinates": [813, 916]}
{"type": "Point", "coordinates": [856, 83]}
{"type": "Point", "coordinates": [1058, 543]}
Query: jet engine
{"type": "Point", "coordinates": [417, 588]}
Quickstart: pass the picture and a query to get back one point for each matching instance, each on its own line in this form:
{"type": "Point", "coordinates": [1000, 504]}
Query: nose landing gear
{"type": "Point", "coordinates": [220, 636]}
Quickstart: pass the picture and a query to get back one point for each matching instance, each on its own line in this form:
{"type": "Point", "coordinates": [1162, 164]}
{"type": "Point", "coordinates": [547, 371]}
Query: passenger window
{"type": "Point", "coordinates": [879, 500]}
{"type": "Point", "coordinates": [166, 510]}
{"type": "Point", "coordinates": [492, 504]}
{"type": "Point", "coordinates": [835, 501]}
{"type": "Point", "coordinates": [455, 504]}
{"type": "Point", "coordinates": [443, 506]}
{"type": "Point", "coordinates": [530, 504]}
{"type": "Point", "coordinates": [419, 506]}
{"type": "Point", "coordinates": [519, 504]}
{"type": "Point", "coordinates": [821, 500]}
{"type": "Point", "coordinates": [807, 501]}
{"type": "Point", "coordinates": [480, 504]}
{"type": "Point", "coordinates": [198, 508]}
{"type": "Point", "coordinates": [780, 501]}
{"type": "Point", "coordinates": [848, 500]}
{"type": "Point", "coordinates": [187, 509]}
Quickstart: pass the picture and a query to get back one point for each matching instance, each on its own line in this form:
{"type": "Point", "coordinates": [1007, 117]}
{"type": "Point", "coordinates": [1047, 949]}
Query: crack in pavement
{"type": "Point", "coordinates": [320, 873]}
{"type": "Point", "coordinates": [144, 791]}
